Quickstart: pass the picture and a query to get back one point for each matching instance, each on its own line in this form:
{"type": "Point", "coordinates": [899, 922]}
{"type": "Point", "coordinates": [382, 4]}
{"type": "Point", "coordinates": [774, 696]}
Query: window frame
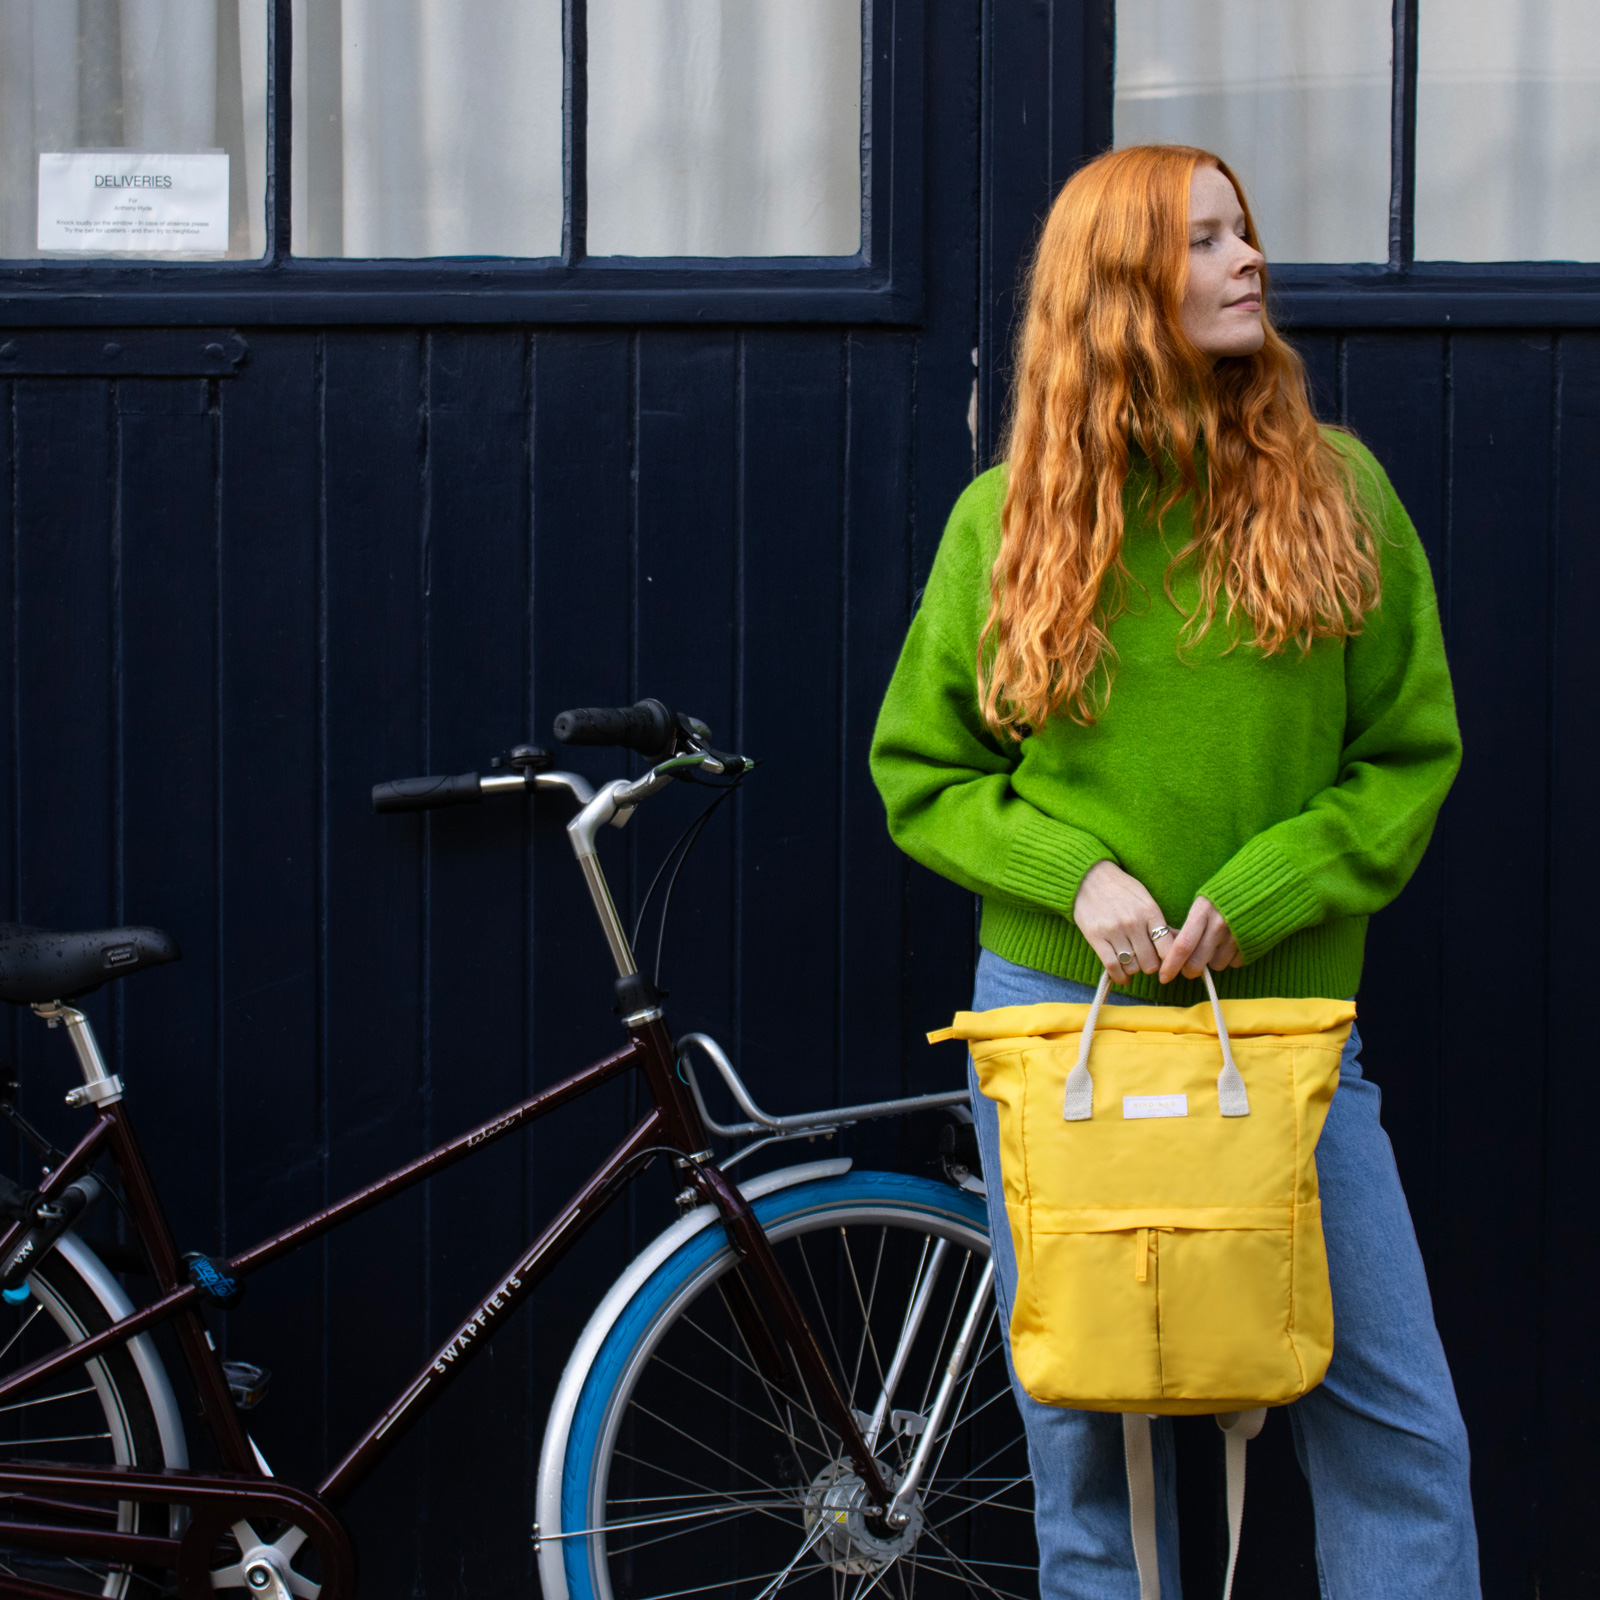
{"type": "Point", "coordinates": [1404, 292]}
{"type": "Point", "coordinates": [881, 283]}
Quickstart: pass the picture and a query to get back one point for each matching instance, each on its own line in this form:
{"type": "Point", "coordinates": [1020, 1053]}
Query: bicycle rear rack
{"type": "Point", "coordinates": [804, 1124]}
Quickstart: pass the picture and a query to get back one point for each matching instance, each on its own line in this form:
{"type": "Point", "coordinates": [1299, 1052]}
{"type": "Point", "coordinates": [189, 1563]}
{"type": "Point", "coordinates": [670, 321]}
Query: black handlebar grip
{"type": "Point", "coordinates": [646, 728]}
{"type": "Point", "coordinates": [427, 794]}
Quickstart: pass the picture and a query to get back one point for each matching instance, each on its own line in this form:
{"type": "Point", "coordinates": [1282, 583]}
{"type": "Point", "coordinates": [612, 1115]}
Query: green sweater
{"type": "Point", "coordinates": [1295, 792]}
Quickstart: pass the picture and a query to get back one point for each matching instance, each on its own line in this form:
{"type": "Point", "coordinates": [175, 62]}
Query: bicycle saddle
{"type": "Point", "coordinates": [37, 965]}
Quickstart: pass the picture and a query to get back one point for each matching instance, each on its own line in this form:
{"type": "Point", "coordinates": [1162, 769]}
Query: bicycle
{"type": "Point", "coordinates": [799, 1386]}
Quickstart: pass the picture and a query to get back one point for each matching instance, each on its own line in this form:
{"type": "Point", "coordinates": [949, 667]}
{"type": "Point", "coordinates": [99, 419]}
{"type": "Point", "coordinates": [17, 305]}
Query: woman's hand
{"type": "Point", "coordinates": [1205, 940]}
{"type": "Point", "coordinates": [1115, 913]}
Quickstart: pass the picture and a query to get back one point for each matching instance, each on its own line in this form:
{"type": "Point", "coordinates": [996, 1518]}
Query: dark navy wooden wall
{"type": "Point", "coordinates": [233, 602]}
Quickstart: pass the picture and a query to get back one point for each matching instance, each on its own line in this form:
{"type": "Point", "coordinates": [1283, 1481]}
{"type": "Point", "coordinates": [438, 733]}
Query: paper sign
{"type": "Point", "coordinates": [120, 201]}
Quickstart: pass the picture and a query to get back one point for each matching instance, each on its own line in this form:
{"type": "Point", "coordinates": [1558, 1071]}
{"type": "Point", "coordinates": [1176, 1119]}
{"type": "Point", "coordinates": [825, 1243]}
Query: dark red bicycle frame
{"type": "Point", "coordinates": [672, 1127]}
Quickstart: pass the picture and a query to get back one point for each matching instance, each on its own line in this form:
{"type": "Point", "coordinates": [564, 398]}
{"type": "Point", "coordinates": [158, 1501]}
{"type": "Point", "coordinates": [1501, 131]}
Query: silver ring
{"type": "Point", "coordinates": [1126, 957]}
{"type": "Point", "coordinates": [1161, 932]}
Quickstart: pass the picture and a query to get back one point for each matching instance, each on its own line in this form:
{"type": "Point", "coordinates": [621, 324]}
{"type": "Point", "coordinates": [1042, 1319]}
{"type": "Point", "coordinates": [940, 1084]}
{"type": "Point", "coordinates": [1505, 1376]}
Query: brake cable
{"type": "Point", "coordinates": [679, 849]}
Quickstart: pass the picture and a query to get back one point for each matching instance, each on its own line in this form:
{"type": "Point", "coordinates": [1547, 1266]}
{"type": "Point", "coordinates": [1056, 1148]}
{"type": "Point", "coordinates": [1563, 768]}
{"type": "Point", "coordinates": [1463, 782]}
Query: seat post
{"type": "Point", "coordinates": [100, 1087]}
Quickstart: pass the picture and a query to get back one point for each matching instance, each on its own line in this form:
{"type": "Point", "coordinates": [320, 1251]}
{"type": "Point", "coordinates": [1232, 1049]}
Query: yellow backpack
{"type": "Point", "coordinates": [1160, 1181]}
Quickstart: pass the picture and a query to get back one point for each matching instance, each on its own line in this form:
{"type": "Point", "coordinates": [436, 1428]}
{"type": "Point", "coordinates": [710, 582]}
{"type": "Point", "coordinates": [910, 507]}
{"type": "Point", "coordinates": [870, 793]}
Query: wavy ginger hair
{"type": "Point", "coordinates": [1103, 360]}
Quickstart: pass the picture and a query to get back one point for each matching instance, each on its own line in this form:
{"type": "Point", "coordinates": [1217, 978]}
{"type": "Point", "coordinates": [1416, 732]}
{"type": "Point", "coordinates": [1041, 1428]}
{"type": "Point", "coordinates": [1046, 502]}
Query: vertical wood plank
{"type": "Point", "coordinates": [1038, 124]}
{"type": "Point", "coordinates": [1570, 1411]}
{"type": "Point", "coordinates": [1490, 1236]}
{"type": "Point", "coordinates": [792, 600]}
{"type": "Point", "coordinates": [274, 1135]}
{"type": "Point", "coordinates": [63, 497]}
{"type": "Point", "coordinates": [1395, 400]}
{"type": "Point", "coordinates": [10, 1145]}
{"type": "Point", "coordinates": [479, 1506]}
{"type": "Point", "coordinates": [878, 1047]}
{"type": "Point", "coordinates": [690, 516]}
{"type": "Point", "coordinates": [166, 705]}
{"type": "Point", "coordinates": [583, 429]}
{"type": "Point", "coordinates": [374, 434]}
{"type": "Point", "coordinates": [1320, 352]}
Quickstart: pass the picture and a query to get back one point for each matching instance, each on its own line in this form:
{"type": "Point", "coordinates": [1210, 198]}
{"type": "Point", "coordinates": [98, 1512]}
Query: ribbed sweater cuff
{"type": "Point", "coordinates": [1047, 862]}
{"type": "Point", "coordinates": [1263, 897]}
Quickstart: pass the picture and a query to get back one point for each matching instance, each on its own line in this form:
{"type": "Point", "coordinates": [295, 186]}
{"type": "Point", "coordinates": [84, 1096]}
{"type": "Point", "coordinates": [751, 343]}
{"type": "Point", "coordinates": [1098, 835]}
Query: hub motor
{"type": "Point", "coordinates": [853, 1540]}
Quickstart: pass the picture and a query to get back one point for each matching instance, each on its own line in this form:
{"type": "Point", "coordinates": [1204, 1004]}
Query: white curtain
{"type": "Point", "coordinates": [1508, 130]}
{"type": "Point", "coordinates": [169, 74]}
{"type": "Point", "coordinates": [431, 127]}
{"type": "Point", "coordinates": [129, 74]}
{"type": "Point", "coordinates": [724, 127]}
{"type": "Point", "coordinates": [716, 127]}
{"type": "Point", "coordinates": [1293, 94]}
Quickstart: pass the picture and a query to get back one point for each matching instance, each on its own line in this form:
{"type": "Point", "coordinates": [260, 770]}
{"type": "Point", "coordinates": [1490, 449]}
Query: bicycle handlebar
{"type": "Point", "coordinates": [465, 789]}
{"type": "Point", "coordinates": [672, 743]}
{"type": "Point", "coordinates": [427, 794]}
{"type": "Point", "coordinates": [647, 728]}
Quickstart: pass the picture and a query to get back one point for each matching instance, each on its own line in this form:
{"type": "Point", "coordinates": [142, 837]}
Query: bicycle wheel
{"type": "Point", "coordinates": [116, 1409]}
{"type": "Point", "coordinates": [689, 1473]}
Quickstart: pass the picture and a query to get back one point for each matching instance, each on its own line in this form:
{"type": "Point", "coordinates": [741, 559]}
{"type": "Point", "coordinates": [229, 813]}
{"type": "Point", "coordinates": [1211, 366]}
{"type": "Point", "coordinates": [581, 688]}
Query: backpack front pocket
{"type": "Point", "coordinates": [1085, 1329]}
{"type": "Point", "coordinates": [1171, 1303]}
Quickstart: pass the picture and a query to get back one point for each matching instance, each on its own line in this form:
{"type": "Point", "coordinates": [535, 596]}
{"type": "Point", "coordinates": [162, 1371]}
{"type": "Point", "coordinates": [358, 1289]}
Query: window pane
{"type": "Point", "coordinates": [133, 128]}
{"type": "Point", "coordinates": [724, 127]}
{"type": "Point", "coordinates": [427, 128]}
{"type": "Point", "coordinates": [1292, 94]}
{"type": "Point", "coordinates": [1508, 130]}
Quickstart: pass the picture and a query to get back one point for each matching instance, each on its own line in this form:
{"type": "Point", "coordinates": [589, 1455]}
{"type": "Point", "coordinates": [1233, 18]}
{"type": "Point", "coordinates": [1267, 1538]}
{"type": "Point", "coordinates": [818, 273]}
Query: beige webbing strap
{"type": "Point", "coordinates": [1238, 1428]}
{"type": "Point", "coordinates": [1139, 1456]}
{"type": "Point", "coordinates": [1079, 1104]}
{"type": "Point", "coordinates": [1233, 1100]}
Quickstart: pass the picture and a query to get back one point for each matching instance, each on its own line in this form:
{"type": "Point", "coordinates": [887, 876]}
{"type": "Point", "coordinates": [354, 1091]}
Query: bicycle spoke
{"type": "Point", "coordinates": [868, 1342]}
{"type": "Point", "coordinates": [651, 1499]}
{"type": "Point", "coordinates": [721, 1583]}
{"type": "Point", "coordinates": [812, 1540]}
{"type": "Point", "coordinates": [975, 1576]}
{"type": "Point", "coordinates": [664, 1472]}
{"type": "Point", "coordinates": [820, 1303]}
{"type": "Point", "coordinates": [827, 1328]}
{"type": "Point", "coordinates": [972, 1504]}
{"type": "Point", "coordinates": [993, 1455]}
{"type": "Point", "coordinates": [747, 1364]}
{"type": "Point", "coordinates": [964, 1561]}
{"type": "Point", "coordinates": [716, 1455]}
{"type": "Point", "coordinates": [872, 1298]}
{"type": "Point", "coordinates": [46, 1399]}
{"type": "Point", "coordinates": [5, 1349]}
{"type": "Point", "coordinates": [972, 1501]}
{"type": "Point", "coordinates": [60, 1438]}
{"type": "Point", "coordinates": [677, 1533]}
{"type": "Point", "coordinates": [728, 1507]}
{"type": "Point", "coordinates": [754, 1415]}
{"type": "Point", "coordinates": [863, 1591]}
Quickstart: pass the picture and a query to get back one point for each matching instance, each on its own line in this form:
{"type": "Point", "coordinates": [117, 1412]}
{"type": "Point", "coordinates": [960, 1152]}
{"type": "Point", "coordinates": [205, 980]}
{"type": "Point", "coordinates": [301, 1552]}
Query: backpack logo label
{"type": "Point", "coordinates": [1155, 1105]}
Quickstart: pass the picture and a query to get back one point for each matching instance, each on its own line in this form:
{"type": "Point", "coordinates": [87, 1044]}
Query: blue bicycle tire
{"type": "Point", "coordinates": [807, 1212]}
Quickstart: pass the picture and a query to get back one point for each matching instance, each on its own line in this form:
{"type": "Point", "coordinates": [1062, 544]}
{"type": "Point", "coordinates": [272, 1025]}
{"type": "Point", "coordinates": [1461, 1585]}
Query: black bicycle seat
{"type": "Point", "coordinates": [37, 965]}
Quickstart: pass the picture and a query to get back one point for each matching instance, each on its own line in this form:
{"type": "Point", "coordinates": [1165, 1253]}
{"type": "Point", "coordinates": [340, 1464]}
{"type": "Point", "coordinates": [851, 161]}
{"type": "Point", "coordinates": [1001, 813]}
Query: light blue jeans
{"type": "Point", "coordinates": [1380, 1440]}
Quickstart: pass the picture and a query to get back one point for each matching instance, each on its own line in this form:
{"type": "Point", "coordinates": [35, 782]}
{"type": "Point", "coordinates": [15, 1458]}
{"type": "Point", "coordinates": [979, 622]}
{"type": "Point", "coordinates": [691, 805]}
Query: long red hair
{"type": "Point", "coordinates": [1102, 362]}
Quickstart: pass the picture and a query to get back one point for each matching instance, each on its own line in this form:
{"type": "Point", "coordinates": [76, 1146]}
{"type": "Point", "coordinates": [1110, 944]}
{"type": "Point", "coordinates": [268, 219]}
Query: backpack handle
{"type": "Point", "coordinates": [1233, 1100]}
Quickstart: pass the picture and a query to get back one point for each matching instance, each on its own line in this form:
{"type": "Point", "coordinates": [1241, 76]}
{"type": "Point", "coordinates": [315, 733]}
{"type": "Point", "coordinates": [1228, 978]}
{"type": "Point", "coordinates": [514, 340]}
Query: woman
{"type": "Point", "coordinates": [1176, 696]}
